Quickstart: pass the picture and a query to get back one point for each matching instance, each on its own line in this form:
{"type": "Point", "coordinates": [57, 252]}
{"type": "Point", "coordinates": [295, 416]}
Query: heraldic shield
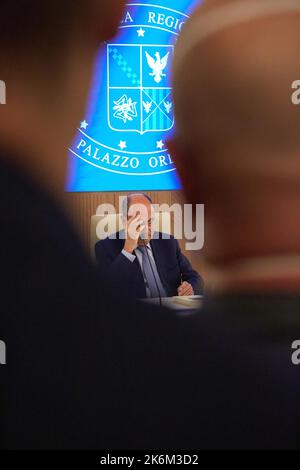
{"type": "Point", "coordinates": [139, 91]}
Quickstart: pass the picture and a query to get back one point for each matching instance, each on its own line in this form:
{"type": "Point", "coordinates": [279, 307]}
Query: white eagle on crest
{"type": "Point", "coordinates": [158, 66]}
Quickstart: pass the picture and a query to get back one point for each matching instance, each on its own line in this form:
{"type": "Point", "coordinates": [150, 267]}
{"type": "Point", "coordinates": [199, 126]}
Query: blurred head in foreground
{"type": "Point", "coordinates": [47, 50]}
{"type": "Point", "coordinates": [237, 146]}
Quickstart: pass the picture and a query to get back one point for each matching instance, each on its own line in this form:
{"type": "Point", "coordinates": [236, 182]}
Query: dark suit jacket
{"type": "Point", "coordinates": [126, 276]}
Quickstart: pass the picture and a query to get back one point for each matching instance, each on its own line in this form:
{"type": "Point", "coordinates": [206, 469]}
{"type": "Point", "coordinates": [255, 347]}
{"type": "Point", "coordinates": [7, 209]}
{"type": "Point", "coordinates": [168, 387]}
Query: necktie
{"type": "Point", "coordinates": [149, 272]}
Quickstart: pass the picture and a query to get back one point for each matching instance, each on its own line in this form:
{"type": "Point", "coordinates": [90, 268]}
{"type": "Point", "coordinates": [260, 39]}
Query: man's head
{"type": "Point", "coordinates": [47, 51]}
{"type": "Point", "coordinates": [140, 205]}
{"type": "Point", "coordinates": [240, 152]}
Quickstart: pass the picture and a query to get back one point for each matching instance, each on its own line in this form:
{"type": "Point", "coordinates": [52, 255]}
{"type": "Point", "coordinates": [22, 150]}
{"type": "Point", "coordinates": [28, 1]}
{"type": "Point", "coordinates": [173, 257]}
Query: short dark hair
{"type": "Point", "coordinates": [127, 202]}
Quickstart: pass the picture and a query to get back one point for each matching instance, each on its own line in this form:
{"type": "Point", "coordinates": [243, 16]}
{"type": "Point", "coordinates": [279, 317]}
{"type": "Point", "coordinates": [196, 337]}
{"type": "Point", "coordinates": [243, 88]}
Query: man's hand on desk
{"type": "Point", "coordinates": [185, 289]}
{"type": "Point", "coordinates": [135, 227]}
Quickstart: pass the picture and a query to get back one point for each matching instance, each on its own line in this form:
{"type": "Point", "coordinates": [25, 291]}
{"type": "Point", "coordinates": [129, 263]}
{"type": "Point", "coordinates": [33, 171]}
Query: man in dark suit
{"type": "Point", "coordinates": [126, 257]}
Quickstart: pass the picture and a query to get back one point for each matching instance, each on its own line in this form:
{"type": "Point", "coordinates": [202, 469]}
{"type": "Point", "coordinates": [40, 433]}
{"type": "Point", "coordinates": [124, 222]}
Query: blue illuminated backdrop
{"type": "Point", "coordinates": [121, 142]}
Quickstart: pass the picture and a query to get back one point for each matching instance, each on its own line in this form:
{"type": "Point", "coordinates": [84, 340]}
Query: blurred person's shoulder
{"type": "Point", "coordinates": [40, 252]}
{"type": "Point", "coordinates": [26, 208]}
{"type": "Point", "coordinates": [257, 326]}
